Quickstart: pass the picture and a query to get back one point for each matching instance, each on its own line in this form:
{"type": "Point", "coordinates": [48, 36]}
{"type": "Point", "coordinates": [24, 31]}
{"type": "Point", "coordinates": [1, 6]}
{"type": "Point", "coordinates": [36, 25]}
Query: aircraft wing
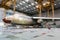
{"type": "Point", "coordinates": [46, 18]}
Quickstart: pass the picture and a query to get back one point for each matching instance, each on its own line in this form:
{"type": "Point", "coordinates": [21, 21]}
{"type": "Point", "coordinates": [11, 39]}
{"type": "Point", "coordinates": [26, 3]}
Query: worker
{"type": "Point", "coordinates": [48, 25]}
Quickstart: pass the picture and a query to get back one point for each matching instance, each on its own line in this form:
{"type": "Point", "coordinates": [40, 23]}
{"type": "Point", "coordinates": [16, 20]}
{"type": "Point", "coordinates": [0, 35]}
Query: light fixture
{"type": "Point", "coordinates": [23, 1]}
{"type": "Point", "coordinates": [26, 10]}
{"type": "Point", "coordinates": [37, 6]}
{"type": "Point", "coordinates": [54, 4]}
{"type": "Point", "coordinates": [44, 4]}
{"type": "Point", "coordinates": [32, 4]}
{"type": "Point", "coordinates": [36, 3]}
{"type": "Point", "coordinates": [27, 0]}
{"type": "Point", "coordinates": [20, 3]}
{"type": "Point", "coordinates": [34, 7]}
{"type": "Point", "coordinates": [29, 5]}
{"type": "Point", "coordinates": [17, 5]}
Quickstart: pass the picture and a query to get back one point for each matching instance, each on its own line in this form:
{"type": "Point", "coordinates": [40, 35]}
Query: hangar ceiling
{"type": "Point", "coordinates": [29, 6]}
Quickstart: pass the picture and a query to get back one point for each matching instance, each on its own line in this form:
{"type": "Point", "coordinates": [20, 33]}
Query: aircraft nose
{"type": "Point", "coordinates": [6, 21]}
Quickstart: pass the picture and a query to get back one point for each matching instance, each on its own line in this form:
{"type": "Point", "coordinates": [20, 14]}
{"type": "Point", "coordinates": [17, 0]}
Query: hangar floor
{"type": "Point", "coordinates": [29, 34]}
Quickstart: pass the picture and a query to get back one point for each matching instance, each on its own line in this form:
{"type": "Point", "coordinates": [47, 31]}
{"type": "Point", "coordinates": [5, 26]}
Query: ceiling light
{"type": "Point", "coordinates": [17, 5]}
{"type": "Point", "coordinates": [26, 10]}
{"type": "Point", "coordinates": [26, 0]}
{"type": "Point", "coordinates": [29, 5]}
{"type": "Point", "coordinates": [20, 3]}
{"type": "Point", "coordinates": [37, 6]}
{"type": "Point", "coordinates": [36, 3]}
{"type": "Point", "coordinates": [23, 2]}
{"type": "Point", "coordinates": [34, 7]}
{"type": "Point", "coordinates": [44, 3]}
{"type": "Point", "coordinates": [24, 7]}
{"type": "Point", "coordinates": [32, 4]}
{"type": "Point", "coordinates": [54, 4]}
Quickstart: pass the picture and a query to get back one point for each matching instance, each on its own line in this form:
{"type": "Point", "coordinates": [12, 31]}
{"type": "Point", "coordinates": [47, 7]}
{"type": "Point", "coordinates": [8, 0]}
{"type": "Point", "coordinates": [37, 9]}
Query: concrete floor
{"type": "Point", "coordinates": [32, 34]}
{"type": "Point", "coordinates": [29, 34]}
